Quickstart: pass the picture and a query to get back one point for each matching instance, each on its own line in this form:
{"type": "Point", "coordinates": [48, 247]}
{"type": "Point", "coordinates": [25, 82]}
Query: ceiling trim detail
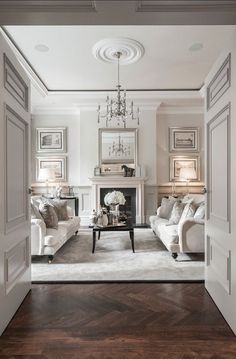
{"type": "Point", "coordinates": [185, 5]}
{"type": "Point", "coordinates": [50, 6]}
{"type": "Point", "coordinates": [106, 49]}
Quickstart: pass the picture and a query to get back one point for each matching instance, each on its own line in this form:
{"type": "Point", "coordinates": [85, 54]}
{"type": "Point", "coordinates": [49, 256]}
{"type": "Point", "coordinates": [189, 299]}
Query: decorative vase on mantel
{"type": "Point", "coordinates": [114, 210]}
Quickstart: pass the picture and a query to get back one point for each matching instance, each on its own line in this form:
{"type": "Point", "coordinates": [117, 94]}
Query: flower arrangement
{"type": "Point", "coordinates": [114, 198]}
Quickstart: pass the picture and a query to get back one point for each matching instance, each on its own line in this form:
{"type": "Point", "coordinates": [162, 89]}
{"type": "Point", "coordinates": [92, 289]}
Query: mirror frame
{"type": "Point", "coordinates": [118, 130]}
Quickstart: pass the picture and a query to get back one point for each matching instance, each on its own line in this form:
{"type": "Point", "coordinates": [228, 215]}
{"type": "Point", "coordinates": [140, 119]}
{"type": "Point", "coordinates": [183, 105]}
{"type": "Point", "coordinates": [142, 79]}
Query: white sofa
{"type": "Point", "coordinates": [47, 241]}
{"type": "Point", "coordinates": [184, 237]}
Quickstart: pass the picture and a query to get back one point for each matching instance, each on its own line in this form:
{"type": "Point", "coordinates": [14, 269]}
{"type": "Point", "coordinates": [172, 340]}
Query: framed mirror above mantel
{"type": "Point", "coordinates": [117, 147]}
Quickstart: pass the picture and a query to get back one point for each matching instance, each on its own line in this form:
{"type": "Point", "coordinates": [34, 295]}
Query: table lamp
{"type": "Point", "coordinates": [187, 174]}
{"type": "Point", "coordinates": [46, 175]}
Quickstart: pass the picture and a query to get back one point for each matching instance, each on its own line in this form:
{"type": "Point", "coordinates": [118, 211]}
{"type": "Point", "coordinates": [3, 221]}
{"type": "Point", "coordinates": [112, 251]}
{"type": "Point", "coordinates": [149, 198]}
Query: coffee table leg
{"type": "Point", "coordinates": [94, 241]}
{"type": "Point", "coordinates": [131, 235]}
{"type": "Point", "coordinates": [99, 235]}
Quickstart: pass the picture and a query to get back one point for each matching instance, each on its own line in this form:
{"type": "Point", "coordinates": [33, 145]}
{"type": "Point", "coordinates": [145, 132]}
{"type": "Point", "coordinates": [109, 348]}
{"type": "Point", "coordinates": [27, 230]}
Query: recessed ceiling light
{"type": "Point", "coordinates": [41, 48]}
{"type": "Point", "coordinates": [196, 47]}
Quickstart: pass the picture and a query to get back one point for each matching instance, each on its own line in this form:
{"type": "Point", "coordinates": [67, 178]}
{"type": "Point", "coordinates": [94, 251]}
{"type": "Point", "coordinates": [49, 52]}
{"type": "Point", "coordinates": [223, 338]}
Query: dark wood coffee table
{"type": "Point", "coordinates": [128, 227]}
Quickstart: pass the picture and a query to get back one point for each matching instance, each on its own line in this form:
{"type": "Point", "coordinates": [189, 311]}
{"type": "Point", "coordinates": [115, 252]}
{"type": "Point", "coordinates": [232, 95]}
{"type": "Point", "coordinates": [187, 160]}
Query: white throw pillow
{"type": "Point", "coordinates": [200, 212]}
{"type": "Point", "coordinates": [176, 212]}
{"type": "Point", "coordinates": [166, 207]}
{"type": "Point", "coordinates": [188, 211]}
{"type": "Point", "coordinates": [187, 199]}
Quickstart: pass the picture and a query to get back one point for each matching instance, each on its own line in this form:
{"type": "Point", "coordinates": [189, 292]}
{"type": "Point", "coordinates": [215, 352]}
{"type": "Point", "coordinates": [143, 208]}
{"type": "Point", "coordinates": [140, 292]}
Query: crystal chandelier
{"type": "Point", "coordinates": [116, 109]}
{"type": "Point", "coordinates": [119, 148]}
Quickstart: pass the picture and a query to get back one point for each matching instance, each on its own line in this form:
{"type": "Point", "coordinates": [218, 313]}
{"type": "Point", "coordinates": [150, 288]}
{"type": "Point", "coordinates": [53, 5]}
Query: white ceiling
{"type": "Point", "coordinates": [167, 63]}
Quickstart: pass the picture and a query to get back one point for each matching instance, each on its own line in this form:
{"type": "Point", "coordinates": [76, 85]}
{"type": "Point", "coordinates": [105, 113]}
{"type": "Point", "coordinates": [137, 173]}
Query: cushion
{"type": "Point", "coordinates": [200, 212]}
{"type": "Point", "coordinates": [60, 207]}
{"type": "Point", "coordinates": [49, 215]}
{"type": "Point", "coordinates": [187, 199]}
{"type": "Point", "coordinates": [176, 212]}
{"type": "Point", "coordinates": [50, 241]}
{"type": "Point", "coordinates": [188, 211]}
{"type": "Point", "coordinates": [166, 207]}
{"type": "Point", "coordinates": [35, 214]}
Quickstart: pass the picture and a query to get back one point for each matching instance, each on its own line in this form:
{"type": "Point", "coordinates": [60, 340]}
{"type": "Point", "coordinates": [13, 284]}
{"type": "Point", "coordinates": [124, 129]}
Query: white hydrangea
{"type": "Point", "coordinates": [115, 197]}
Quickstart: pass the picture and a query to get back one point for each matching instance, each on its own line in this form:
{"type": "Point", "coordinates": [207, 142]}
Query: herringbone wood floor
{"type": "Point", "coordinates": [116, 321]}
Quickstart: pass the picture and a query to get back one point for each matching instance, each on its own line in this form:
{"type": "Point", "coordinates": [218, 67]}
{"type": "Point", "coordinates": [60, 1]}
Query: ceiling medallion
{"type": "Point", "coordinates": [106, 50]}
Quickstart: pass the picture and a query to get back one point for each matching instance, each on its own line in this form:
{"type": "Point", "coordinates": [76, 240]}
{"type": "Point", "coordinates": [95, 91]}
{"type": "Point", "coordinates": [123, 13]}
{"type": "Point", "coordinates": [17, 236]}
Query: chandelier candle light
{"type": "Point", "coordinates": [116, 109]}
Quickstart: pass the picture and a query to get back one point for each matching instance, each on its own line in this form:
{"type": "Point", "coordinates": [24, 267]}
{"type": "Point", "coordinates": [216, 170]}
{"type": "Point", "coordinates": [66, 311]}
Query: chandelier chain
{"type": "Point", "coordinates": [116, 109]}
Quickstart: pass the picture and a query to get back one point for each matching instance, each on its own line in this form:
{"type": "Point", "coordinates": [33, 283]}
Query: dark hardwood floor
{"type": "Point", "coordinates": [118, 321]}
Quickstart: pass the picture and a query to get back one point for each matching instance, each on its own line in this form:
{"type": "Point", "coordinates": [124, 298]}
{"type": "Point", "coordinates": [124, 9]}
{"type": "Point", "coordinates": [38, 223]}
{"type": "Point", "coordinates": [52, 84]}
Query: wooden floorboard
{"type": "Point", "coordinates": [118, 321]}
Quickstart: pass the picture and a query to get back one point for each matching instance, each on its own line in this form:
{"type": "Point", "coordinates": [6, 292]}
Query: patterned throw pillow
{"type": "Point", "coordinates": [176, 212]}
{"type": "Point", "coordinates": [166, 207]}
{"type": "Point", "coordinates": [200, 212]}
{"type": "Point", "coordinates": [60, 207]}
{"type": "Point", "coordinates": [188, 211]}
{"type": "Point", "coordinates": [49, 215]}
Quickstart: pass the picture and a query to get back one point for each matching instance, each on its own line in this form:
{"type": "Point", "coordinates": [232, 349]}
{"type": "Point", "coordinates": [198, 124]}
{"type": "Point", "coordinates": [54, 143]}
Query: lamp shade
{"type": "Point", "coordinates": [187, 173]}
{"type": "Point", "coordinates": [46, 174]}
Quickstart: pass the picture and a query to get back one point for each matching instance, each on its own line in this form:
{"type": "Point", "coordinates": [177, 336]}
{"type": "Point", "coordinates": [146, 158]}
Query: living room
{"type": "Point", "coordinates": [70, 111]}
{"type": "Point", "coordinates": [179, 92]}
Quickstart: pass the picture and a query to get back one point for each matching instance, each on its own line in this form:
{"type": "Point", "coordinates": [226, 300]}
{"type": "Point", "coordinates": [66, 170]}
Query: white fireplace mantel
{"type": "Point", "coordinates": [114, 182]}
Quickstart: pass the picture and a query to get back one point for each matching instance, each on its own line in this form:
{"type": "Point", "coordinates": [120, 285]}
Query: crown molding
{"type": "Point", "coordinates": [55, 110]}
{"type": "Point", "coordinates": [185, 6]}
{"type": "Point", "coordinates": [74, 102]}
{"type": "Point", "coordinates": [68, 110]}
{"type": "Point", "coordinates": [174, 110]}
{"type": "Point", "coordinates": [148, 95]}
{"type": "Point", "coordinates": [48, 6]}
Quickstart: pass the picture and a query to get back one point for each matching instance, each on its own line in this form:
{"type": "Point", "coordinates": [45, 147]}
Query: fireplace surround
{"type": "Point", "coordinates": [129, 208]}
{"type": "Point", "coordinates": [100, 184]}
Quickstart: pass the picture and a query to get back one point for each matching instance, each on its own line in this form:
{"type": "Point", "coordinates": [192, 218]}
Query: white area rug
{"type": "Point", "coordinates": [114, 260]}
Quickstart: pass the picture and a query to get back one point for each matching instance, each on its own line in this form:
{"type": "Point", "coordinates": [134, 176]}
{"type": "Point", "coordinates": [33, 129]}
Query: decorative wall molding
{"type": "Point", "coordinates": [185, 6]}
{"type": "Point", "coordinates": [16, 262]}
{"type": "Point", "coordinates": [221, 123]}
{"type": "Point", "coordinates": [49, 6]}
{"type": "Point", "coordinates": [16, 143]}
{"type": "Point", "coordinates": [220, 83]}
{"type": "Point", "coordinates": [220, 263]}
{"type": "Point", "coordinates": [86, 206]}
{"type": "Point", "coordinates": [34, 78]}
{"type": "Point", "coordinates": [166, 189]}
{"type": "Point", "coordinates": [14, 83]}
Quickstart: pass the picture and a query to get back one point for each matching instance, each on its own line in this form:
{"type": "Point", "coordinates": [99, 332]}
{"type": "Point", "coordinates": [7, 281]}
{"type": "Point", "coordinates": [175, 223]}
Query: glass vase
{"type": "Point", "coordinates": [114, 210]}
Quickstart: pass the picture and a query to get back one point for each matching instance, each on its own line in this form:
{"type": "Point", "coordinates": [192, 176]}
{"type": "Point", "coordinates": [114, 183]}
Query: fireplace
{"type": "Point", "coordinates": [132, 187]}
{"type": "Point", "coordinates": [129, 208]}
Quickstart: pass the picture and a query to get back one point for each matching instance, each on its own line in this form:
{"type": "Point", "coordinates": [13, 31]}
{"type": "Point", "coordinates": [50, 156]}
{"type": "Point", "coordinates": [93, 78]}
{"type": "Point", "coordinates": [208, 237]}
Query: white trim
{"type": "Point", "coordinates": [186, 6]}
{"type": "Point", "coordinates": [48, 6]}
{"type": "Point", "coordinates": [181, 109]}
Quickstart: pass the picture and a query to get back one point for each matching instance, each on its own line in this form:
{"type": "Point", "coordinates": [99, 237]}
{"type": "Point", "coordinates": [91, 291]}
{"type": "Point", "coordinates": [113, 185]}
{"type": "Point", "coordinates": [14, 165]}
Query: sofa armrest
{"type": "Point", "coordinates": [38, 232]}
{"type": "Point", "coordinates": [191, 235]}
